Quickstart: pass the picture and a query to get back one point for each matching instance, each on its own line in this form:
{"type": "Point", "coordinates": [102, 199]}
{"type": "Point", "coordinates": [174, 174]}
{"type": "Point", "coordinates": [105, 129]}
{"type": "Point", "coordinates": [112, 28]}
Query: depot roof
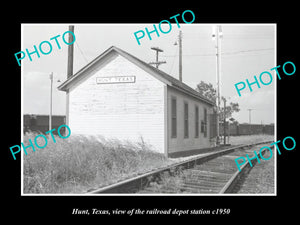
{"type": "Point", "coordinates": [160, 75]}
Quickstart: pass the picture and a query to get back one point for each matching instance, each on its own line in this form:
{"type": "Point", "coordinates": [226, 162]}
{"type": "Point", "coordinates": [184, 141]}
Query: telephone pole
{"type": "Point", "coordinates": [50, 113]}
{"type": "Point", "coordinates": [180, 55]}
{"type": "Point", "coordinates": [157, 63]}
{"type": "Point", "coordinates": [249, 115]}
{"type": "Point", "coordinates": [224, 121]}
{"type": "Point", "coordinates": [70, 53]}
{"type": "Point", "coordinates": [69, 69]}
{"type": "Point", "coordinates": [217, 36]}
{"type": "Point", "coordinates": [250, 119]}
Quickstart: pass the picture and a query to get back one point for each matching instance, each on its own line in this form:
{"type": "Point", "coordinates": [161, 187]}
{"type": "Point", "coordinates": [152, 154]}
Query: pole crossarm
{"type": "Point", "coordinates": [157, 63]}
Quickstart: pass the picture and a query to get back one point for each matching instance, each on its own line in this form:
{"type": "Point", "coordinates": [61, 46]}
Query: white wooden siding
{"type": "Point", "coordinates": [180, 143]}
{"type": "Point", "coordinates": [126, 111]}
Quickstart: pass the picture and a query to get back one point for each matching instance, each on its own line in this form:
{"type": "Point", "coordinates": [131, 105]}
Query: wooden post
{"type": "Point", "coordinates": [50, 113]}
{"type": "Point", "coordinates": [218, 69]}
{"type": "Point", "coordinates": [224, 121]}
{"type": "Point", "coordinates": [69, 70]}
{"type": "Point", "coordinates": [180, 56]}
{"type": "Point", "coordinates": [70, 53]}
{"type": "Point", "coordinates": [157, 63]}
{"type": "Point", "coordinates": [157, 59]}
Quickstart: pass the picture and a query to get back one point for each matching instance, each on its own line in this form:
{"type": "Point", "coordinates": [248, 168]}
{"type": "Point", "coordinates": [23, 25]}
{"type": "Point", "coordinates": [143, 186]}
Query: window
{"type": "Point", "coordinates": [174, 118]}
{"type": "Point", "coordinates": [186, 120]}
{"type": "Point", "coordinates": [204, 123]}
{"type": "Point", "coordinates": [196, 121]}
{"type": "Point", "coordinates": [202, 126]}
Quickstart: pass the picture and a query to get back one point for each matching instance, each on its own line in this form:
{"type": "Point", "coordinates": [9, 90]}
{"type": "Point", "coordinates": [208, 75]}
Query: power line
{"type": "Point", "coordinates": [245, 51]}
{"type": "Point", "coordinates": [253, 54]}
{"type": "Point", "coordinates": [229, 36]}
{"type": "Point", "coordinates": [250, 38]}
{"type": "Point", "coordinates": [225, 53]}
{"type": "Point", "coordinates": [260, 109]}
{"type": "Point", "coordinates": [190, 55]}
{"type": "Point", "coordinates": [176, 49]}
{"type": "Point", "coordinates": [81, 52]}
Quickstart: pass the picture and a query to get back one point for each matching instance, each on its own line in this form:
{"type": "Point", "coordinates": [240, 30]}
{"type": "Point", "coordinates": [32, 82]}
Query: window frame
{"type": "Point", "coordinates": [186, 119]}
{"type": "Point", "coordinates": [173, 118]}
{"type": "Point", "coordinates": [205, 122]}
{"type": "Point", "coordinates": [197, 121]}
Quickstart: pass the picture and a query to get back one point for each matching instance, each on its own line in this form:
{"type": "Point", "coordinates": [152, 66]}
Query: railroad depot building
{"type": "Point", "coordinates": [119, 96]}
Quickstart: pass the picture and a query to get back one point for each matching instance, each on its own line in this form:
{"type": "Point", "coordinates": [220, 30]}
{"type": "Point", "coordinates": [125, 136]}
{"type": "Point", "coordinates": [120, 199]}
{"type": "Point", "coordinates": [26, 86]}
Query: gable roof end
{"type": "Point", "coordinates": [162, 76]}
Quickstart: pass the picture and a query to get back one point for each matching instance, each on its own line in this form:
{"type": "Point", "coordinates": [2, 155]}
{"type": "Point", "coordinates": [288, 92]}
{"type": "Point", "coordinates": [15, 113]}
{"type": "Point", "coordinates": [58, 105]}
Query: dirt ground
{"type": "Point", "coordinates": [248, 139]}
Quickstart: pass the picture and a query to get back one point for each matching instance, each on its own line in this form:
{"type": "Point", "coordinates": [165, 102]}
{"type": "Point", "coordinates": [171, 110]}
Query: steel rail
{"type": "Point", "coordinates": [137, 183]}
{"type": "Point", "coordinates": [229, 186]}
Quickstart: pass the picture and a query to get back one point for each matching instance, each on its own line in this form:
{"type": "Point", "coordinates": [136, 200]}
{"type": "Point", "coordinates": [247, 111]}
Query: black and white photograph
{"type": "Point", "coordinates": [144, 109]}
{"type": "Point", "coordinates": [150, 111]}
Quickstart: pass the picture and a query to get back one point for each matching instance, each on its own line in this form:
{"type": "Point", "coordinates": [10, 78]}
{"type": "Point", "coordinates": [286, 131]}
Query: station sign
{"type": "Point", "coordinates": [115, 79]}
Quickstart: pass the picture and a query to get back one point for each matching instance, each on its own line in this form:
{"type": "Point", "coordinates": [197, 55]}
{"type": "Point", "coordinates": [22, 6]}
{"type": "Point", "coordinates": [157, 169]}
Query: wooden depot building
{"type": "Point", "coordinates": [119, 96]}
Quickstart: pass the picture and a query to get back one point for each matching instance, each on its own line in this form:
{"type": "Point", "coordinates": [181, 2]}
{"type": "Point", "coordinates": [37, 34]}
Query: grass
{"type": "Point", "coordinates": [79, 163]}
{"type": "Point", "coordinates": [169, 182]}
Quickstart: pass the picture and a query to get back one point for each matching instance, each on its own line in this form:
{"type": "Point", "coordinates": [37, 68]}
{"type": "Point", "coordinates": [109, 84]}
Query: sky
{"type": "Point", "coordinates": [246, 50]}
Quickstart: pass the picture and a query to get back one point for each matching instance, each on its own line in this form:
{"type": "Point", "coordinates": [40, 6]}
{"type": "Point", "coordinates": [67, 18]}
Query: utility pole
{"type": "Point", "coordinates": [157, 63]}
{"type": "Point", "coordinates": [250, 120]}
{"type": "Point", "coordinates": [224, 121]}
{"type": "Point", "coordinates": [69, 70]}
{"type": "Point", "coordinates": [51, 94]}
{"type": "Point", "coordinates": [217, 36]}
{"type": "Point", "coordinates": [50, 113]}
{"type": "Point", "coordinates": [70, 53]}
{"type": "Point", "coordinates": [180, 55]}
{"type": "Point", "coordinates": [249, 115]}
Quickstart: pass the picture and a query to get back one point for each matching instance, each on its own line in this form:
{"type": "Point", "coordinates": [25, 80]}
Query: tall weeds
{"type": "Point", "coordinates": [79, 163]}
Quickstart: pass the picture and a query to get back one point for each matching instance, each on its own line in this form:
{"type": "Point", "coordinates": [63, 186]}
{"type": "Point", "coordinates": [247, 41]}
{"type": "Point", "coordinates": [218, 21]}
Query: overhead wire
{"type": "Point", "coordinates": [173, 60]}
{"type": "Point", "coordinates": [245, 51]}
{"type": "Point", "coordinates": [224, 53]}
{"type": "Point", "coordinates": [81, 52]}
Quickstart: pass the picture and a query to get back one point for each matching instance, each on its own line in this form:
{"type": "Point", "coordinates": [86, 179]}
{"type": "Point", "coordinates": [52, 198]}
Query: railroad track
{"type": "Point", "coordinates": [210, 173]}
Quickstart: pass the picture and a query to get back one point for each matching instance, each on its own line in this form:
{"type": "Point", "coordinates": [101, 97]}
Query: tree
{"type": "Point", "coordinates": [208, 91]}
